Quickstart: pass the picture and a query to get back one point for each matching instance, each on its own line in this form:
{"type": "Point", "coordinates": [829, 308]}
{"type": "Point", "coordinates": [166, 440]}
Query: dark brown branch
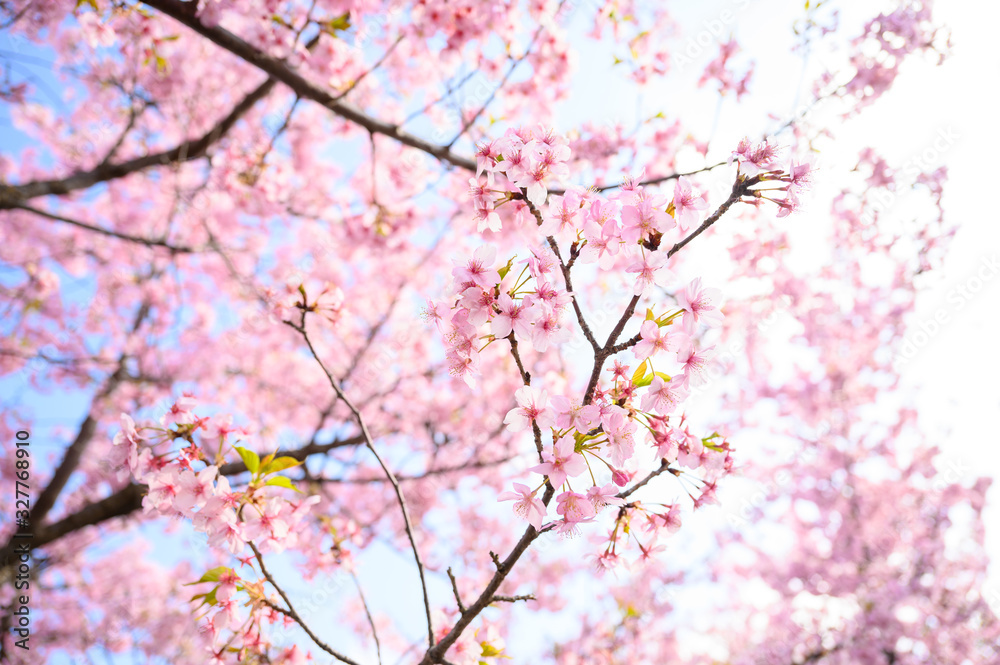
{"type": "Point", "coordinates": [526, 377]}
{"type": "Point", "coordinates": [664, 466]}
{"type": "Point", "coordinates": [454, 590]}
{"type": "Point", "coordinates": [292, 614]}
{"type": "Point", "coordinates": [184, 12]}
{"type": "Point", "coordinates": [740, 189]}
{"type": "Point", "coordinates": [129, 499]}
{"type": "Point", "coordinates": [504, 567]}
{"type": "Point", "coordinates": [565, 268]}
{"type": "Point", "coordinates": [71, 458]}
{"type": "Point", "coordinates": [148, 242]}
{"type": "Point", "coordinates": [13, 196]}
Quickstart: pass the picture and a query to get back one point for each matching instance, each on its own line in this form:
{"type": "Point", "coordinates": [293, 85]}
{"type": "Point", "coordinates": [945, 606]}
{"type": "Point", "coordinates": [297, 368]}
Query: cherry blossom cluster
{"type": "Point", "coordinates": [527, 304]}
{"type": "Point", "coordinates": [494, 301]}
{"type": "Point", "coordinates": [622, 423]}
{"type": "Point", "coordinates": [759, 163]}
{"type": "Point", "coordinates": [260, 514]}
{"type": "Point", "coordinates": [520, 160]}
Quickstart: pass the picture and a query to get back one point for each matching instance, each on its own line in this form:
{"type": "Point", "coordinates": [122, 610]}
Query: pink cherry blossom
{"type": "Point", "coordinates": [527, 506]}
{"type": "Point", "coordinates": [196, 488]}
{"type": "Point", "coordinates": [604, 496]}
{"type": "Point", "coordinates": [642, 220]}
{"type": "Point", "coordinates": [578, 416]}
{"type": "Point", "coordinates": [126, 446]}
{"type": "Point", "coordinates": [693, 361]}
{"type": "Point", "coordinates": [687, 204]}
{"type": "Point", "coordinates": [575, 509]}
{"type": "Point", "coordinates": [513, 315]}
{"type": "Point", "coordinates": [654, 340]}
{"type": "Point", "coordinates": [663, 396]}
{"type": "Point", "coordinates": [248, 206]}
{"type": "Point", "coordinates": [479, 271]}
{"type": "Point", "coordinates": [649, 269]}
{"type": "Point", "coordinates": [701, 305]}
{"type": "Point", "coordinates": [532, 408]}
{"type": "Point", "coordinates": [561, 462]}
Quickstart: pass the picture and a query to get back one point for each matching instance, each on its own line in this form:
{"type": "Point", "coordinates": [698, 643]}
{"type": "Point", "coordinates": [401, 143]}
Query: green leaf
{"type": "Point", "coordinates": [489, 651]}
{"type": "Point", "coordinates": [639, 373]}
{"type": "Point", "coordinates": [275, 465]}
{"type": "Point", "coordinates": [339, 24]}
{"type": "Point", "coordinates": [506, 269]}
{"type": "Point", "coordinates": [250, 458]}
{"type": "Point", "coordinates": [213, 575]}
{"type": "Point", "coordinates": [210, 598]}
{"type": "Point", "coordinates": [649, 315]}
{"type": "Point", "coordinates": [283, 481]}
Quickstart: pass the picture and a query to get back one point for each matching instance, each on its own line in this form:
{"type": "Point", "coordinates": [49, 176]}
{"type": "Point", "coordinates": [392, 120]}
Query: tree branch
{"type": "Point", "coordinates": [650, 181]}
{"type": "Point", "coordinates": [301, 329]}
{"type": "Point", "coordinates": [129, 499]}
{"type": "Point", "coordinates": [513, 599]}
{"type": "Point", "coordinates": [292, 614]}
{"type": "Point", "coordinates": [183, 12]}
{"type": "Point", "coordinates": [148, 242]}
{"type": "Point", "coordinates": [12, 196]}
{"type": "Point", "coordinates": [368, 613]}
{"type": "Point", "coordinates": [740, 189]}
{"type": "Point", "coordinates": [436, 653]}
{"type": "Point", "coordinates": [565, 268]}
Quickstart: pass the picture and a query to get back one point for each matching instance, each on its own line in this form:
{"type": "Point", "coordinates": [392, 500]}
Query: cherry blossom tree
{"type": "Point", "coordinates": [337, 278]}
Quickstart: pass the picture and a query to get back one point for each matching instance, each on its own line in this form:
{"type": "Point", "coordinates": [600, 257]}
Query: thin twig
{"type": "Point", "coordinates": [454, 589]}
{"type": "Point", "coordinates": [510, 70]}
{"type": "Point", "coordinates": [371, 621]}
{"type": "Point", "coordinates": [565, 268]}
{"type": "Point", "coordinates": [301, 329]}
{"type": "Point", "coordinates": [364, 74]}
{"type": "Point", "coordinates": [740, 189]}
{"type": "Point", "coordinates": [649, 181]}
{"type": "Point", "coordinates": [148, 242]}
{"type": "Point", "coordinates": [526, 377]}
{"type": "Point", "coordinates": [425, 475]}
{"type": "Point", "coordinates": [184, 13]}
{"type": "Point", "coordinates": [504, 567]}
{"type": "Point", "coordinates": [449, 90]}
{"type": "Point", "coordinates": [664, 466]}
{"type": "Point", "coordinates": [513, 599]}
{"type": "Point", "coordinates": [291, 613]}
